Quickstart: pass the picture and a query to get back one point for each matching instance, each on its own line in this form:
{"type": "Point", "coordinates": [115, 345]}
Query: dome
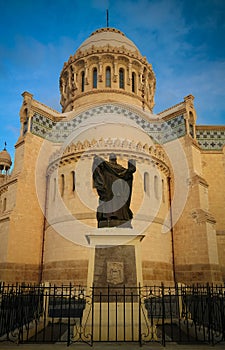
{"type": "Point", "coordinates": [105, 36]}
{"type": "Point", "coordinates": [107, 66]}
{"type": "Point", "coordinates": [5, 160]}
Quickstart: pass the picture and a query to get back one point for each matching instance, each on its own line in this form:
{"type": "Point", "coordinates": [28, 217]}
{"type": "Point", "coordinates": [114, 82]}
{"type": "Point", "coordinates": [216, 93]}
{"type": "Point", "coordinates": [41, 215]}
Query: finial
{"type": "Point", "coordinates": [5, 146]}
{"type": "Point", "coordinates": [107, 18]}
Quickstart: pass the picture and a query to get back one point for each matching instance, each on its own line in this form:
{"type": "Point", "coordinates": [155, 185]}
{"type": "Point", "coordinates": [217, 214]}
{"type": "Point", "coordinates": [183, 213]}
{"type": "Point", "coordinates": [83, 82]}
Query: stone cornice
{"type": "Point", "coordinates": [180, 104]}
{"type": "Point", "coordinates": [211, 127]}
{"type": "Point", "coordinates": [103, 147]}
{"type": "Point", "coordinates": [42, 106]}
{"type": "Point", "coordinates": [4, 217]}
{"type": "Point", "coordinates": [220, 232]}
{"type": "Point", "coordinates": [179, 107]}
{"type": "Point", "coordinates": [19, 142]}
{"type": "Point", "coordinates": [107, 90]}
{"type": "Point", "coordinates": [31, 106]}
{"type": "Point", "coordinates": [107, 49]}
{"type": "Point", "coordinates": [197, 179]}
{"type": "Point", "coordinates": [202, 216]}
{"type": "Point", "coordinates": [4, 187]}
{"type": "Point", "coordinates": [108, 29]}
{"type": "Point", "coordinates": [39, 110]}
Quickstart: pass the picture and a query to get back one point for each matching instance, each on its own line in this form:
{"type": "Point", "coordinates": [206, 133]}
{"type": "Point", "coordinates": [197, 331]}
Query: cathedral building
{"type": "Point", "coordinates": [48, 202]}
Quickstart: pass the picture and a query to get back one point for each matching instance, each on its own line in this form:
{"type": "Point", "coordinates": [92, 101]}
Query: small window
{"type": "Point", "coordinates": [146, 183]}
{"type": "Point", "coordinates": [73, 181]}
{"type": "Point", "coordinates": [133, 82]}
{"type": "Point", "coordinates": [108, 77]}
{"type": "Point", "coordinates": [82, 81]}
{"type": "Point", "coordinates": [62, 185]}
{"type": "Point", "coordinates": [95, 78]}
{"type": "Point", "coordinates": [156, 186]}
{"type": "Point", "coordinates": [121, 78]}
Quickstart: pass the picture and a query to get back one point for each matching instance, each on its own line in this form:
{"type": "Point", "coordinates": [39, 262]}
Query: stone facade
{"type": "Point", "coordinates": [48, 203]}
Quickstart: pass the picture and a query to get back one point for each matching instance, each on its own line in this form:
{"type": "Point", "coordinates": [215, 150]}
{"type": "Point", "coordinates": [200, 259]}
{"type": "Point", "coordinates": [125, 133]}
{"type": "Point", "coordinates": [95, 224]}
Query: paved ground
{"type": "Point", "coordinates": [110, 346]}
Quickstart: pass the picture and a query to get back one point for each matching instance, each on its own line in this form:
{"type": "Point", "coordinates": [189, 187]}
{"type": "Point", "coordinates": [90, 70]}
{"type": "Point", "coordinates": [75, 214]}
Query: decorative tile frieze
{"type": "Point", "coordinates": [210, 139]}
{"type": "Point", "coordinates": [160, 131]}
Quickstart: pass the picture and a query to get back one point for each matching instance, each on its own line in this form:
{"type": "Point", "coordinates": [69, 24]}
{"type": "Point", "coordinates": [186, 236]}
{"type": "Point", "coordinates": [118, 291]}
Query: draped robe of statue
{"type": "Point", "coordinates": [114, 186]}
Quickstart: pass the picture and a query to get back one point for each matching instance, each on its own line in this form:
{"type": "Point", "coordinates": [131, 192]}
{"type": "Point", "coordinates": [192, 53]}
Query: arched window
{"type": "Point", "coordinates": [82, 81]}
{"type": "Point", "coordinates": [121, 78]}
{"type": "Point", "coordinates": [73, 181]}
{"type": "Point", "coordinates": [156, 186]}
{"type": "Point", "coordinates": [95, 78]}
{"type": "Point", "coordinates": [108, 77]}
{"type": "Point", "coordinates": [146, 183]}
{"type": "Point", "coordinates": [62, 185]}
{"type": "Point", "coordinates": [133, 82]}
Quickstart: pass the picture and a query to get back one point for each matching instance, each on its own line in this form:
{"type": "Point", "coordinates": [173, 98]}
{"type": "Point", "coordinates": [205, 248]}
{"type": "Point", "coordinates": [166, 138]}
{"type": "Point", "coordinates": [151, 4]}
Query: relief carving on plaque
{"type": "Point", "coordinates": [115, 272]}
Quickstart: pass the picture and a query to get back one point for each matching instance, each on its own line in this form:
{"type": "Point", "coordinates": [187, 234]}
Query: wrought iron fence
{"type": "Point", "coordinates": [43, 314]}
{"type": "Point", "coordinates": [187, 314]}
{"type": "Point", "coordinates": [49, 314]}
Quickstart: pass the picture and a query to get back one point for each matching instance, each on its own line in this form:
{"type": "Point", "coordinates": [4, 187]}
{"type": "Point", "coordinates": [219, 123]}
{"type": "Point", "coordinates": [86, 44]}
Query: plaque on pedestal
{"type": "Point", "coordinates": [116, 259]}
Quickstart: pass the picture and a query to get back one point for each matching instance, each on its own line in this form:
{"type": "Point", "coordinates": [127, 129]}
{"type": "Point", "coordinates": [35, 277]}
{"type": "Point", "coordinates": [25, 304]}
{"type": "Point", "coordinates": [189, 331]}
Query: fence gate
{"type": "Point", "coordinates": [118, 315]}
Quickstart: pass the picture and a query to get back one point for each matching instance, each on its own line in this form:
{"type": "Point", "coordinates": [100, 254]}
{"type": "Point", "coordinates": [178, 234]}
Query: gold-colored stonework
{"type": "Point", "coordinates": [47, 199]}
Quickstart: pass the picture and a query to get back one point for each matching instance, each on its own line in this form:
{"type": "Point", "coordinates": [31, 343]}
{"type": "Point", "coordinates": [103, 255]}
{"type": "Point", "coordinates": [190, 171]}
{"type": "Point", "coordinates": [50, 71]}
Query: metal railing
{"type": "Point", "coordinates": [186, 314]}
{"type": "Point", "coordinates": [50, 314]}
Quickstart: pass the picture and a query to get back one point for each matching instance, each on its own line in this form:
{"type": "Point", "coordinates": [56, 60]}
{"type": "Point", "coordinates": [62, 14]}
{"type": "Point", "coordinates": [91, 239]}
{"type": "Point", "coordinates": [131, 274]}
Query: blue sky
{"type": "Point", "coordinates": [184, 40]}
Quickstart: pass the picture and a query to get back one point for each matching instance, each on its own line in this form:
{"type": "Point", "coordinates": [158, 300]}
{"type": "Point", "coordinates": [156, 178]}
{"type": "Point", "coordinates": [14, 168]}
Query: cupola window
{"type": "Point", "coordinates": [108, 77]}
{"type": "Point", "coordinates": [121, 78]}
{"type": "Point", "coordinates": [95, 78]}
{"type": "Point", "coordinates": [82, 81]}
{"type": "Point", "coordinates": [133, 82]}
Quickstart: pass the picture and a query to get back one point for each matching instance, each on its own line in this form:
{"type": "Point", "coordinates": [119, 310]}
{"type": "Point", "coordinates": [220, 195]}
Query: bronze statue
{"type": "Point", "coordinates": [114, 186]}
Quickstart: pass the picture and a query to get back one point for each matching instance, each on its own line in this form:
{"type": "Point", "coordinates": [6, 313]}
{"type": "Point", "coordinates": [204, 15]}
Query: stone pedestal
{"type": "Point", "coordinates": [115, 272]}
{"type": "Point", "coordinates": [115, 259]}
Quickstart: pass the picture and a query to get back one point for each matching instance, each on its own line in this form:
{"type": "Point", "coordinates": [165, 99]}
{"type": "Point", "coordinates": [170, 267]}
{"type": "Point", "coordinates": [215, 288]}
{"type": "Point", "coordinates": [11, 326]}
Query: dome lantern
{"type": "Point", "coordinates": [5, 161]}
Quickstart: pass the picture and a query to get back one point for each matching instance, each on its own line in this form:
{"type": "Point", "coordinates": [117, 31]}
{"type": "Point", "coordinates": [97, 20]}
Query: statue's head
{"type": "Point", "coordinates": [112, 157]}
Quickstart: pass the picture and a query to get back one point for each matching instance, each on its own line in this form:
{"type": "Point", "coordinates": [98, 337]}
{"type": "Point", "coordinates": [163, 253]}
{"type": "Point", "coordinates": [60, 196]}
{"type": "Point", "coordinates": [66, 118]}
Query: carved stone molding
{"type": "Point", "coordinates": [196, 180]}
{"type": "Point", "coordinates": [72, 98]}
{"type": "Point", "coordinates": [202, 216]}
{"type": "Point", "coordinates": [220, 232]}
{"type": "Point", "coordinates": [127, 148]}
